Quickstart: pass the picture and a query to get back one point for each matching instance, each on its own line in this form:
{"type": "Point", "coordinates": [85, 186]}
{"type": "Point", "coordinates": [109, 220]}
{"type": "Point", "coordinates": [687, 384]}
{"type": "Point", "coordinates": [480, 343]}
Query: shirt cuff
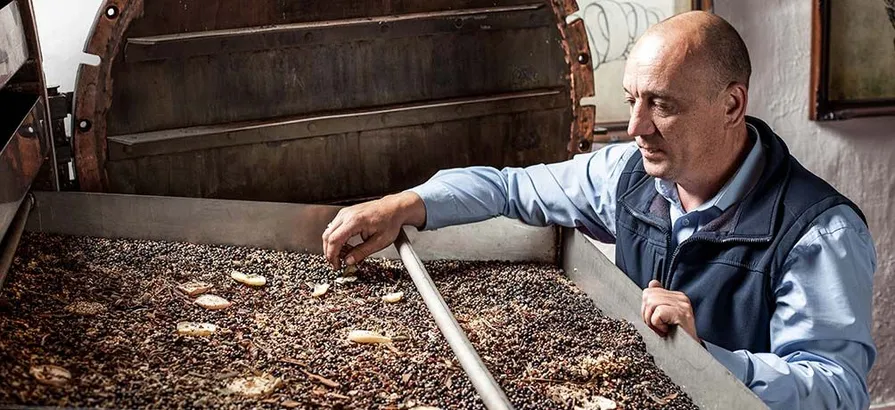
{"type": "Point", "coordinates": [437, 199]}
{"type": "Point", "coordinates": [736, 362]}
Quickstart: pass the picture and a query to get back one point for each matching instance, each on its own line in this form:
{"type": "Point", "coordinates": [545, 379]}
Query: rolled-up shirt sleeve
{"type": "Point", "coordinates": [576, 193]}
{"type": "Point", "coordinates": [821, 344]}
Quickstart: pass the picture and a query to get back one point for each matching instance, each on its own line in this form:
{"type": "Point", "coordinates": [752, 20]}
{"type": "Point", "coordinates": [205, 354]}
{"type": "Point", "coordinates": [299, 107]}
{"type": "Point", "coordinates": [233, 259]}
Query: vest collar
{"type": "Point", "coordinates": [754, 218]}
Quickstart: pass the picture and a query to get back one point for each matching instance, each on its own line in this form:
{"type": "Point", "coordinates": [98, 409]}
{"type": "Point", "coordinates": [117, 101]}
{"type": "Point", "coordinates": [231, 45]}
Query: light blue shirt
{"type": "Point", "coordinates": [821, 346]}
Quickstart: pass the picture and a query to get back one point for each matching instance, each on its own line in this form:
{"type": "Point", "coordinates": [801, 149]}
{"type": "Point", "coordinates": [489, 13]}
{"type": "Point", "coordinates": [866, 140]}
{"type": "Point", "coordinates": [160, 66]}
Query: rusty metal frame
{"type": "Point", "coordinates": [93, 92]}
{"type": "Point", "coordinates": [578, 57]}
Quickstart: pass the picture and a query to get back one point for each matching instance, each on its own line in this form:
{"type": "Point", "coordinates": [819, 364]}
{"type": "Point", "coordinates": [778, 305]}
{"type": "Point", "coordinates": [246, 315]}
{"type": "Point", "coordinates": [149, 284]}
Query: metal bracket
{"type": "Point", "coordinates": [60, 108]}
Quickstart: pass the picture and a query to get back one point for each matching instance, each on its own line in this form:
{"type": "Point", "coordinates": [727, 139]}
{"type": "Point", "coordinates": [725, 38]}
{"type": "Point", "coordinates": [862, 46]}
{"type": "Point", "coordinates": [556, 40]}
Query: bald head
{"type": "Point", "coordinates": [703, 40]}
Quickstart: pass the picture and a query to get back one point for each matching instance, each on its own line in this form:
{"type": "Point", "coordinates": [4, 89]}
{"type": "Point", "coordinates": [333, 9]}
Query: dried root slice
{"type": "Point", "coordinates": [366, 336]}
{"type": "Point", "coordinates": [85, 308]}
{"type": "Point", "coordinates": [248, 279]}
{"type": "Point", "coordinates": [393, 297]}
{"type": "Point", "coordinates": [254, 386]}
{"type": "Point", "coordinates": [320, 289]}
{"type": "Point", "coordinates": [345, 279]}
{"type": "Point", "coordinates": [213, 302]}
{"type": "Point", "coordinates": [196, 329]}
{"type": "Point", "coordinates": [192, 289]}
{"type": "Point", "coordinates": [350, 270]}
{"type": "Point", "coordinates": [51, 375]}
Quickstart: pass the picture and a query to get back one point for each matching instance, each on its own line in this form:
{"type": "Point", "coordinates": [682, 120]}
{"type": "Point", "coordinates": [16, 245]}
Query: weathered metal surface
{"type": "Point", "coordinates": [268, 225]}
{"type": "Point", "coordinates": [206, 137]}
{"type": "Point", "coordinates": [203, 88]}
{"type": "Point", "coordinates": [183, 45]}
{"type": "Point", "coordinates": [578, 58]}
{"type": "Point", "coordinates": [13, 47]}
{"type": "Point", "coordinates": [22, 154]}
{"type": "Point", "coordinates": [93, 91]}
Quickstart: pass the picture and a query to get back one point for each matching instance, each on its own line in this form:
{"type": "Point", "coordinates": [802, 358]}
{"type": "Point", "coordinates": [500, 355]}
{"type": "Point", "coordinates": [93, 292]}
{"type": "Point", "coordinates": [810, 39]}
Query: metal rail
{"type": "Point", "coordinates": [489, 391]}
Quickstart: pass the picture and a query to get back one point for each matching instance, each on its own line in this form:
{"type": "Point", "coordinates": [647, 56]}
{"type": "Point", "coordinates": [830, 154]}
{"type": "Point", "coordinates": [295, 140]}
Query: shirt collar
{"type": "Point", "coordinates": [736, 187]}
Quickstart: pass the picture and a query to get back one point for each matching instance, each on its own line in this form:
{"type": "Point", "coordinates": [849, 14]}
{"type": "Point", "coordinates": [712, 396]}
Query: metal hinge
{"type": "Point", "coordinates": [60, 108]}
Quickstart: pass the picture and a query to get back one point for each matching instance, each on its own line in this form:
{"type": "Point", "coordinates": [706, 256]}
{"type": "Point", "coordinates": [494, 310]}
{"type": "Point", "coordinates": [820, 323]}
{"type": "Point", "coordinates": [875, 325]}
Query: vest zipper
{"type": "Point", "coordinates": [693, 238]}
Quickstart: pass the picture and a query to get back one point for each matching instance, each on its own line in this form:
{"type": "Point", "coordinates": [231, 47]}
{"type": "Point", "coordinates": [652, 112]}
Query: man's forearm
{"type": "Point", "coordinates": [828, 377]}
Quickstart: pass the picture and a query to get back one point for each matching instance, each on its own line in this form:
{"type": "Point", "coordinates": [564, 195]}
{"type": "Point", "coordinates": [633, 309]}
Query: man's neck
{"type": "Point", "coordinates": [694, 193]}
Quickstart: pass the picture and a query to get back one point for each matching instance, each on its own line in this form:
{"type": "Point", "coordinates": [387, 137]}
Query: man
{"type": "Point", "coordinates": [730, 237]}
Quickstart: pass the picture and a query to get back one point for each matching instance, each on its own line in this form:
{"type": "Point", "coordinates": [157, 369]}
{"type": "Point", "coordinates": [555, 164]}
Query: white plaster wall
{"type": "Point", "coordinates": [62, 28]}
{"type": "Point", "coordinates": [856, 156]}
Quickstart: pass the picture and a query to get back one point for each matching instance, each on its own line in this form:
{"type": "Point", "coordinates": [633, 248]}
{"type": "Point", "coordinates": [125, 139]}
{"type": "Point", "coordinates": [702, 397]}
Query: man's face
{"type": "Point", "coordinates": [675, 109]}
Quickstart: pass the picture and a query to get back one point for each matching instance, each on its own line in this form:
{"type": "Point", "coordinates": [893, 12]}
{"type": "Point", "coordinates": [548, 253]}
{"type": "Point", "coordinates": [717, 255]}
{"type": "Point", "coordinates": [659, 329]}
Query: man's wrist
{"type": "Point", "coordinates": [411, 208]}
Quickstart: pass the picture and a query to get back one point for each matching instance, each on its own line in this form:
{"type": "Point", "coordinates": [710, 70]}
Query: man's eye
{"type": "Point", "coordinates": [629, 101]}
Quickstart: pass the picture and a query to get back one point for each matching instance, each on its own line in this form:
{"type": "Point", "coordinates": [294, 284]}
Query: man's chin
{"type": "Point", "coordinates": [657, 169]}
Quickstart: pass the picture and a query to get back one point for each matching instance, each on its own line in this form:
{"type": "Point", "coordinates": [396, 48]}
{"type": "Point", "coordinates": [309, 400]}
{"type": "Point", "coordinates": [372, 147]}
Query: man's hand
{"type": "Point", "coordinates": [663, 308]}
{"type": "Point", "coordinates": [377, 222]}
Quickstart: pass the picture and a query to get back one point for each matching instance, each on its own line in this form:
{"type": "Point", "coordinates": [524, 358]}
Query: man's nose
{"type": "Point", "coordinates": [641, 123]}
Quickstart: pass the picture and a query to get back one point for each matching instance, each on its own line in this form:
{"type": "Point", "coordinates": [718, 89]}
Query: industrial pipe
{"type": "Point", "coordinates": [482, 380]}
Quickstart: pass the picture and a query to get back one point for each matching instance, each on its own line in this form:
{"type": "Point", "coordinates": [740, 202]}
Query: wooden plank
{"type": "Point", "coordinates": [206, 137]}
{"type": "Point", "coordinates": [348, 165]}
{"type": "Point", "coordinates": [184, 16]}
{"type": "Point", "coordinates": [182, 45]}
{"type": "Point", "coordinates": [225, 88]}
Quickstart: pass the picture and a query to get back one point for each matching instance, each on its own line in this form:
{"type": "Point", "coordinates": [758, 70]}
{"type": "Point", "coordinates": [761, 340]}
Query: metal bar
{"type": "Point", "coordinates": [11, 240]}
{"type": "Point", "coordinates": [678, 355]}
{"type": "Point", "coordinates": [13, 46]}
{"type": "Point", "coordinates": [489, 391]}
{"type": "Point", "coordinates": [183, 45]}
{"type": "Point", "coordinates": [224, 135]}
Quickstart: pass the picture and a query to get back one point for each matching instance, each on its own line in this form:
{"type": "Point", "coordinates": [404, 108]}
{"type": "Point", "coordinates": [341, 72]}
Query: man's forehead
{"type": "Point", "coordinates": [656, 64]}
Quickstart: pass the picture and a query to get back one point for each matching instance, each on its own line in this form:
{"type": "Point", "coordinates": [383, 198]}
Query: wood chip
{"type": "Point", "coordinates": [293, 361]}
{"type": "Point", "coordinates": [405, 378]}
{"type": "Point", "coordinates": [345, 279]}
{"type": "Point", "coordinates": [85, 308]}
{"type": "Point", "coordinates": [366, 336]}
{"type": "Point", "coordinates": [196, 329]}
{"type": "Point", "coordinates": [393, 297]}
{"type": "Point", "coordinates": [320, 289]}
{"type": "Point", "coordinates": [254, 386]}
{"type": "Point", "coordinates": [193, 289]}
{"type": "Point", "coordinates": [213, 302]}
{"type": "Point", "coordinates": [248, 279]}
{"type": "Point", "coordinates": [290, 404]}
{"type": "Point", "coordinates": [322, 380]}
{"type": "Point", "coordinates": [51, 375]}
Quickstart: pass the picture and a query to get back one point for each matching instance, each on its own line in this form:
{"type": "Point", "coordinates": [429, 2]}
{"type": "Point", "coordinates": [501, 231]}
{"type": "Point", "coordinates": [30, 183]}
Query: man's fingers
{"type": "Point", "coordinates": [335, 223]}
{"type": "Point", "coordinates": [655, 284]}
{"type": "Point", "coordinates": [372, 245]}
{"type": "Point", "coordinates": [337, 240]}
{"type": "Point", "coordinates": [661, 318]}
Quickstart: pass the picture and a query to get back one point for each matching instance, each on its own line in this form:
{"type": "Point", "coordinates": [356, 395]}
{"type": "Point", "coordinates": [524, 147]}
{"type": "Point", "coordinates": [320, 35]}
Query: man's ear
{"type": "Point", "coordinates": [736, 98]}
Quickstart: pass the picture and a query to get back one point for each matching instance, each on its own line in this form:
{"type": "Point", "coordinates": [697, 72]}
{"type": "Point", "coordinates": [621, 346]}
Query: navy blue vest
{"type": "Point", "coordinates": [730, 268]}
